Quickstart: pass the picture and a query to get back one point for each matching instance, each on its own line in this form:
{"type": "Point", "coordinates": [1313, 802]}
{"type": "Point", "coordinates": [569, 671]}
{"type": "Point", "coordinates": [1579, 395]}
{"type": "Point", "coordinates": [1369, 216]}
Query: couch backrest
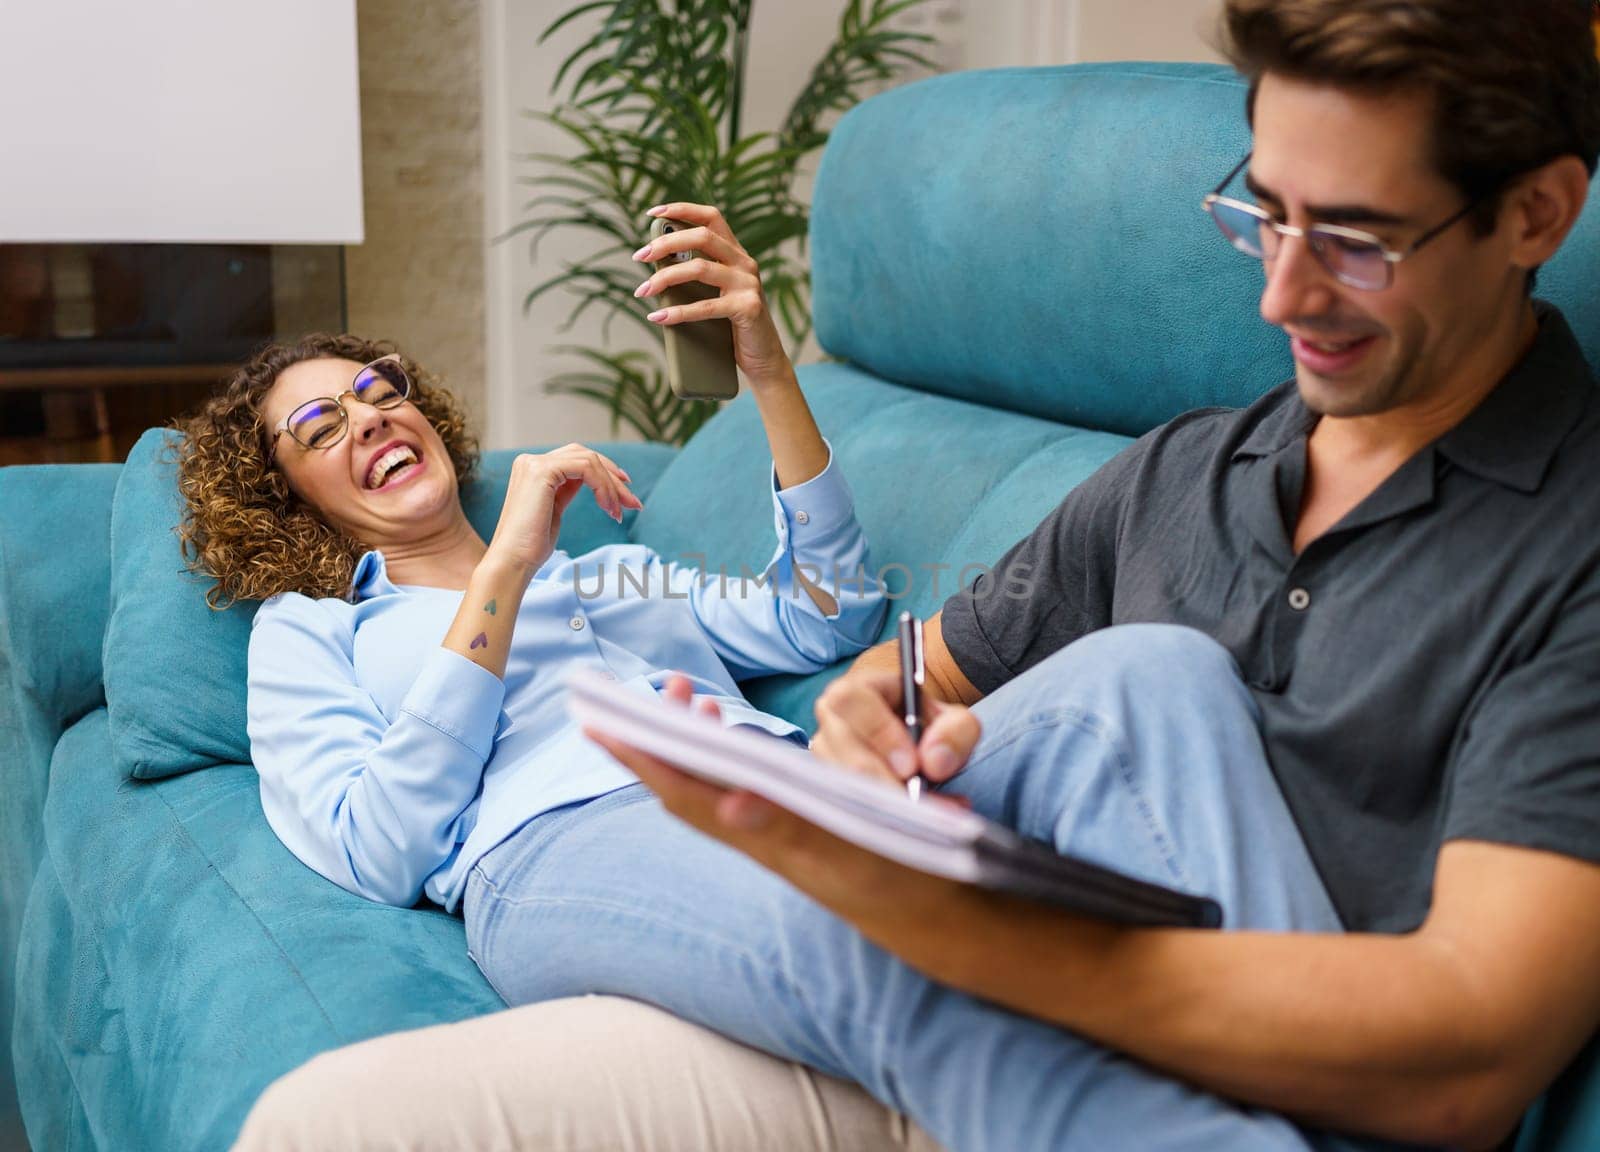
{"type": "Point", "coordinates": [1032, 239]}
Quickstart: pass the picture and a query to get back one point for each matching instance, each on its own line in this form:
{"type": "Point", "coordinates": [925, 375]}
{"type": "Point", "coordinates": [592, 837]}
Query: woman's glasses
{"type": "Point", "coordinates": [322, 423]}
{"type": "Point", "coordinates": [1354, 257]}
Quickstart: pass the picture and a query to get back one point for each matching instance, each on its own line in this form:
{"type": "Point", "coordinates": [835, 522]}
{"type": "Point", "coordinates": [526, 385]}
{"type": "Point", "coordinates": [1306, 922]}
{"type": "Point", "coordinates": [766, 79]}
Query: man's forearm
{"type": "Point", "coordinates": [1372, 1033]}
{"type": "Point", "coordinates": [944, 681]}
{"type": "Point", "coordinates": [883, 657]}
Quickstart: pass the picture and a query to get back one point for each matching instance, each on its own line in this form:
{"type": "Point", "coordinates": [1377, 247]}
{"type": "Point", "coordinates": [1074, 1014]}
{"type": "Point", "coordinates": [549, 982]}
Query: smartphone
{"type": "Point", "coordinates": [700, 362]}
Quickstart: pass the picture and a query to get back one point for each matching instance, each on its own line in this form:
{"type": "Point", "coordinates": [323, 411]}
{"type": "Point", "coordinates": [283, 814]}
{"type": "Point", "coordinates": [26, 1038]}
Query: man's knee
{"type": "Point", "coordinates": [1145, 658]}
{"type": "Point", "coordinates": [1153, 649]}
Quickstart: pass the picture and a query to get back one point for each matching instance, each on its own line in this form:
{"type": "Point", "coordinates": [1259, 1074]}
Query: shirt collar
{"type": "Point", "coordinates": [1510, 437]}
{"type": "Point", "coordinates": [1283, 423]}
{"type": "Point", "coordinates": [371, 578]}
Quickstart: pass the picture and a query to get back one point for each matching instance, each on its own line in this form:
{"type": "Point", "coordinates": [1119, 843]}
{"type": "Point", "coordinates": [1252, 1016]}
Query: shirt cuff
{"type": "Point", "coordinates": [813, 510]}
{"type": "Point", "coordinates": [459, 698]}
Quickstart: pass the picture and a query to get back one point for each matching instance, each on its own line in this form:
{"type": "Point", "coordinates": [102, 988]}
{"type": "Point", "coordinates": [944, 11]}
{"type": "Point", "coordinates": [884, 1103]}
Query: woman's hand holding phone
{"type": "Point", "coordinates": [720, 283]}
{"type": "Point", "coordinates": [722, 263]}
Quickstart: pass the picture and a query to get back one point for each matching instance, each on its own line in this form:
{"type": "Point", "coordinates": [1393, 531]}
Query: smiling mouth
{"type": "Point", "coordinates": [394, 466]}
{"type": "Point", "coordinates": [1331, 357]}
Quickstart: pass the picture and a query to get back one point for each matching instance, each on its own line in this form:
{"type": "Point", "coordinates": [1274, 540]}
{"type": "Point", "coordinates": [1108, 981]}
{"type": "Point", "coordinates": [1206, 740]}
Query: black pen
{"type": "Point", "coordinates": [911, 674]}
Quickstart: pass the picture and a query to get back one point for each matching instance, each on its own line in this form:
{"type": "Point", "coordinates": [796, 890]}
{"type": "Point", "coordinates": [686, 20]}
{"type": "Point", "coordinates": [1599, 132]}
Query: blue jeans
{"type": "Point", "coordinates": [1137, 747]}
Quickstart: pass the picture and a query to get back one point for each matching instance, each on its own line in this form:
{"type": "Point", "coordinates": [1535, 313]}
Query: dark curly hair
{"type": "Point", "coordinates": [242, 525]}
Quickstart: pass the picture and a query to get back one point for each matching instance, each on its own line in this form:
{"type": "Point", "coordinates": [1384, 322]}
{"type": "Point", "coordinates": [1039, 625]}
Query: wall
{"type": "Point", "coordinates": [419, 278]}
{"type": "Point", "coordinates": [144, 101]}
{"type": "Point", "coordinates": [1039, 32]}
{"type": "Point", "coordinates": [1146, 29]}
{"type": "Point", "coordinates": [787, 36]}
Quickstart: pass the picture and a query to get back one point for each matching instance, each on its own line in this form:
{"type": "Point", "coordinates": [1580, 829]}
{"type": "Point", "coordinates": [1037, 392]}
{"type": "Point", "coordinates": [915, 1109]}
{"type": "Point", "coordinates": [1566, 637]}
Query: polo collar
{"type": "Point", "coordinates": [1282, 423]}
{"type": "Point", "coordinates": [1512, 436]}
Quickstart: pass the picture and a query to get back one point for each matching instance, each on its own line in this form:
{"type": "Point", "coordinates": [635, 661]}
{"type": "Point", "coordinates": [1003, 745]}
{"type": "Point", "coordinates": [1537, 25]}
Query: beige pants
{"type": "Point", "coordinates": [595, 1074]}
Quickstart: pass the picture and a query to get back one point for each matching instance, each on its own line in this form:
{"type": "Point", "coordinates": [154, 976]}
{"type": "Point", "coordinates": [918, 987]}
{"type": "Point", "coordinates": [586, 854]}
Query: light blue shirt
{"type": "Point", "coordinates": [390, 764]}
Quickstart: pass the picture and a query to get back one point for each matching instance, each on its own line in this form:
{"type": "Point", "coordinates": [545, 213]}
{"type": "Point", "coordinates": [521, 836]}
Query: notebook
{"type": "Point", "coordinates": [930, 835]}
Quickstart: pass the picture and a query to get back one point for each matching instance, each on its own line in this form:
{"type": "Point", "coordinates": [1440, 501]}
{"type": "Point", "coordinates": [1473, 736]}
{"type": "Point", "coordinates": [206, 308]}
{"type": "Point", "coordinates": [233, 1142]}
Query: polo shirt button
{"type": "Point", "coordinates": [1299, 599]}
{"type": "Point", "coordinates": [802, 517]}
{"type": "Point", "coordinates": [576, 623]}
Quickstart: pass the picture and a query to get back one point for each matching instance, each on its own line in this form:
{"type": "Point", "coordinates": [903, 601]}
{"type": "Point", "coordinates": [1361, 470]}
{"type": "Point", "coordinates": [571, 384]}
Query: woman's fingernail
{"type": "Point", "coordinates": [642, 290]}
{"type": "Point", "coordinates": [657, 316]}
{"type": "Point", "coordinates": [641, 253]}
{"type": "Point", "coordinates": [656, 211]}
{"type": "Point", "coordinates": [902, 763]}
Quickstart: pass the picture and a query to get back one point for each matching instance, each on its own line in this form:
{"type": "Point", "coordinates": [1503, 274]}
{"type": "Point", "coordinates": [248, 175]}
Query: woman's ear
{"type": "Point", "coordinates": [1542, 206]}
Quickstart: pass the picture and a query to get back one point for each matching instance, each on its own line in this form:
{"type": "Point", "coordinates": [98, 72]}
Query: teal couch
{"type": "Point", "coordinates": [1012, 277]}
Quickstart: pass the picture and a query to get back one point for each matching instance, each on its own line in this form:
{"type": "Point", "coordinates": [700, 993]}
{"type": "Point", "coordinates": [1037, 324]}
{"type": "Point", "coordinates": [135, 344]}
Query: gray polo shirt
{"type": "Point", "coordinates": [1427, 670]}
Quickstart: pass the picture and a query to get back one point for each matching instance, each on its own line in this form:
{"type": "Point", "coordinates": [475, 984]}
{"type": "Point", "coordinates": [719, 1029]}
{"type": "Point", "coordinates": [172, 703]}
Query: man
{"type": "Point", "coordinates": [1385, 582]}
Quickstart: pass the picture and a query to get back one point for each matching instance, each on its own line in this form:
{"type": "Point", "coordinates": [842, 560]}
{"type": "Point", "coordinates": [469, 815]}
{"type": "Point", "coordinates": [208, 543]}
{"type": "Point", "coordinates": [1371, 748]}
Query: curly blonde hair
{"type": "Point", "coordinates": [242, 525]}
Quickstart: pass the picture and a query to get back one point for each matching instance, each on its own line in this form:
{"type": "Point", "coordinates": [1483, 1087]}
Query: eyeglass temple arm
{"type": "Point", "coordinates": [1237, 168]}
{"type": "Point", "coordinates": [1440, 228]}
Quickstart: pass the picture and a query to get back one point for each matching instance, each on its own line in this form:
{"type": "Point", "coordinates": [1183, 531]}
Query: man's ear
{"type": "Point", "coordinates": [1542, 206]}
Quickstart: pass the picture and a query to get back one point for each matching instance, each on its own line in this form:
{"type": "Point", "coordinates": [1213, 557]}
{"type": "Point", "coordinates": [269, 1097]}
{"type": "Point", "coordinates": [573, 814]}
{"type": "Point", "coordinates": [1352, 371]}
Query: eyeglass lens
{"type": "Point", "coordinates": [320, 423]}
{"type": "Point", "coordinates": [1359, 263]}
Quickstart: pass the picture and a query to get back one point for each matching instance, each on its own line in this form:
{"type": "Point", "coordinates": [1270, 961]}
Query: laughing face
{"type": "Point", "coordinates": [388, 480]}
{"type": "Point", "coordinates": [1330, 156]}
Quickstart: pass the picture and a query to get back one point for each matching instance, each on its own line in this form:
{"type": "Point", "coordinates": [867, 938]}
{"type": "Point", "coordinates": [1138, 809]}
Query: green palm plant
{"type": "Point", "coordinates": [651, 104]}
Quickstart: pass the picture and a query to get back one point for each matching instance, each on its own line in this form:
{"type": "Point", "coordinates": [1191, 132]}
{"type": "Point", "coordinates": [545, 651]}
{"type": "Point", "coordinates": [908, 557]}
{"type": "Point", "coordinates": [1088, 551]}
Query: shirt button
{"type": "Point", "coordinates": [1299, 599]}
{"type": "Point", "coordinates": [802, 517]}
{"type": "Point", "coordinates": [608, 675]}
{"type": "Point", "coordinates": [576, 623]}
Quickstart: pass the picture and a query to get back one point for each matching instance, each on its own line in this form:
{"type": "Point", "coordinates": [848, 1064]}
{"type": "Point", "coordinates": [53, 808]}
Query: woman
{"type": "Point", "coordinates": [326, 480]}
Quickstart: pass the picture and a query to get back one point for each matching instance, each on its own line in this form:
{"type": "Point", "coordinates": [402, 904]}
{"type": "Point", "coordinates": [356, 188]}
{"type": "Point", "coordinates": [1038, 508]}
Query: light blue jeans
{"type": "Point", "coordinates": [1137, 746]}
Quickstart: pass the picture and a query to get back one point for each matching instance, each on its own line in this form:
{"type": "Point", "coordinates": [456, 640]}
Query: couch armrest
{"type": "Point", "coordinates": [55, 573]}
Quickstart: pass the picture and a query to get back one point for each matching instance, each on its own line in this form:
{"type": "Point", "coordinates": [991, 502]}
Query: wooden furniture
{"type": "Point", "coordinates": [96, 413]}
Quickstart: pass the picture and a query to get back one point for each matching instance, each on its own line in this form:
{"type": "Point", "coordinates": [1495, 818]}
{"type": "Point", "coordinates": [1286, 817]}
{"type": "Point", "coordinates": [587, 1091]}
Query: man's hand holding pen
{"type": "Point", "coordinates": [863, 722]}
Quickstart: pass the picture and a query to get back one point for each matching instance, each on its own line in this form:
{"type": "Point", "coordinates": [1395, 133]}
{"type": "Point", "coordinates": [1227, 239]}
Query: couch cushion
{"type": "Point", "coordinates": [205, 960]}
{"type": "Point", "coordinates": [175, 669]}
{"type": "Point", "coordinates": [950, 244]}
{"type": "Point", "coordinates": [939, 485]}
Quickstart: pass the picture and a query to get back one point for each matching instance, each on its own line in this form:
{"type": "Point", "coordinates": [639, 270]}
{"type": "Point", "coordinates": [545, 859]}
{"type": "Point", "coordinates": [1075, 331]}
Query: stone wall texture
{"type": "Point", "coordinates": [419, 278]}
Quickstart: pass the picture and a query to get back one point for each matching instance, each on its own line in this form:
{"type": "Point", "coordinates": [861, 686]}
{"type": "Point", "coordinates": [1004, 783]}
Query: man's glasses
{"type": "Point", "coordinates": [1356, 258]}
{"type": "Point", "coordinates": [322, 423]}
